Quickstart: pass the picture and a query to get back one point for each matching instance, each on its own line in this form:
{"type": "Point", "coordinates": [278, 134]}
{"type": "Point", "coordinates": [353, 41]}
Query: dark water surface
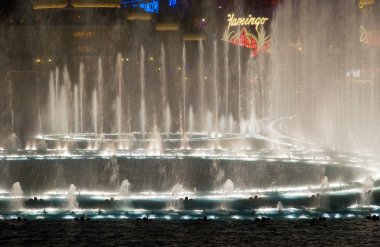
{"type": "Point", "coordinates": [350, 232]}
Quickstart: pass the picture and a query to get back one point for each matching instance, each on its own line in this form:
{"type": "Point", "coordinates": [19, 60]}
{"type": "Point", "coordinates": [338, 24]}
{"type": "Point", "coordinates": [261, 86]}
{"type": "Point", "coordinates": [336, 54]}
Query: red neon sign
{"type": "Point", "coordinates": [250, 41]}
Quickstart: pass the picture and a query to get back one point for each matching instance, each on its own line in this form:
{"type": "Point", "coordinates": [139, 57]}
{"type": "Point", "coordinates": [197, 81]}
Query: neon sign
{"type": "Point", "coordinates": [148, 6]}
{"type": "Point", "coordinates": [172, 3]}
{"type": "Point", "coordinates": [257, 40]}
{"type": "Point", "coordinates": [249, 21]}
{"type": "Point", "coordinates": [369, 37]}
{"type": "Point", "coordinates": [151, 7]}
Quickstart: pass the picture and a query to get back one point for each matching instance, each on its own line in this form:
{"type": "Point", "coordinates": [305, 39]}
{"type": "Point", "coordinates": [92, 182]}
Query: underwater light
{"type": "Point", "coordinates": [68, 217]}
{"type": "Point", "coordinates": [236, 217]}
{"type": "Point", "coordinates": [303, 217]}
{"type": "Point", "coordinates": [290, 216]}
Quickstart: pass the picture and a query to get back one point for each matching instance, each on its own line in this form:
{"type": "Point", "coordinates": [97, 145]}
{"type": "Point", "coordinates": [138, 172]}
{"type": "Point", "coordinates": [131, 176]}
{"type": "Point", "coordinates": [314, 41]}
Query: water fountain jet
{"type": "Point", "coordinates": [72, 202]}
{"type": "Point", "coordinates": [16, 196]}
{"type": "Point", "coordinates": [124, 187]}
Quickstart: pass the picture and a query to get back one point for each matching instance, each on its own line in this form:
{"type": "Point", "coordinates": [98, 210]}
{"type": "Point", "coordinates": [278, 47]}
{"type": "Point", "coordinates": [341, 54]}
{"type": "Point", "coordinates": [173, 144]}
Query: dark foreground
{"type": "Point", "coordinates": [355, 232]}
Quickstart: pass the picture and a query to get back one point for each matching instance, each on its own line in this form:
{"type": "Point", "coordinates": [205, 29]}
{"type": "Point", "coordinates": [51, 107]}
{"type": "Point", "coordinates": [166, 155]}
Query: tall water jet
{"type": "Point", "coordinates": [280, 207]}
{"type": "Point", "coordinates": [129, 115]}
{"type": "Point", "coordinates": [226, 78]}
{"type": "Point", "coordinates": [252, 99]}
{"type": "Point", "coordinates": [366, 195]}
{"type": "Point", "coordinates": [223, 124]}
{"type": "Point", "coordinates": [191, 120]}
{"type": "Point", "coordinates": [142, 87]}
{"type": "Point", "coordinates": [81, 94]}
{"type": "Point", "coordinates": [183, 89]}
{"type": "Point", "coordinates": [112, 168]}
{"type": "Point", "coordinates": [231, 124]}
{"type": "Point", "coordinates": [273, 185]}
{"type": "Point", "coordinates": [181, 131]}
{"type": "Point", "coordinates": [201, 84]}
{"type": "Point", "coordinates": [119, 114]}
{"type": "Point", "coordinates": [124, 187]}
{"type": "Point", "coordinates": [16, 195]}
{"type": "Point", "coordinates": [40, 129]}
{"type": "Point", "coordinates": [155, 141]}
{"type": "Point", "coordinates": [322, 198]}
{"type": "Point", "coordinates": [177, 190]}
{"type": "Point", "coordinates": [94, 111]}
{"type": "Point", "coordinates": [10, 95]}
{"type": "Point", "coordinates": [243, 127]}
{"type": "Point", "coordinates": [325, 184]}
{"type": "Point", "coordinates": [215, 84]}
{"type": "Point", "coordinates": [119, 104]}
{"type": "Point", "coordinates": [240, 114]}
{"type": "Point", "coordinates": [185, 137]}
{"type": "Point", "coordinates": [228, 187]}
{"type": "Point", "coordinates": [64, 102]}
{"type": "Point", "coordinates": [56, 100]}
{"type": "Point", "coordinates": [168, 120]}
{"type": "Point", "coordinates": [76, 109]}
{"type": "Point", "coordinates": [12, 143]}
{"type": "Point", "coordinates": [220, 174]}
{"type": "Point", "coordinates": [42, 145]}
{"type": "Point", "coordinates": [52, 102]}
{"type": "Point", "coordinates": [100, 93]}
{"type": "Point", "coordinates": [252, 124]}
{"type": "Point", "coordinates": [175, 193]}
{"type": "Point", "coordinates": [72, 198]}
{"type": "Point", "coordinates": [209, 125]}
{"type": "Point", "coordinates": [163, 80]}
{"type": "Point", "coordinates": [60, 102]}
